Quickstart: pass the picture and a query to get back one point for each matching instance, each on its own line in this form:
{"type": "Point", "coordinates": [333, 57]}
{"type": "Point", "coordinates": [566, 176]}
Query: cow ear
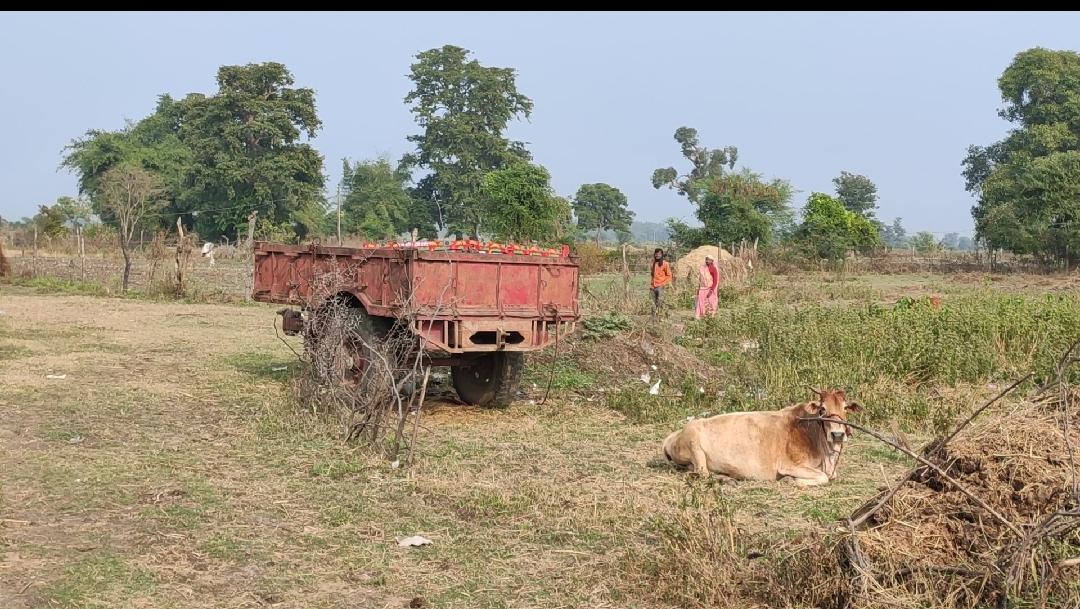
{"type": "Point", "coordinates": [814, 409]}
{"type": "Point", "coordinates": [853, 407]}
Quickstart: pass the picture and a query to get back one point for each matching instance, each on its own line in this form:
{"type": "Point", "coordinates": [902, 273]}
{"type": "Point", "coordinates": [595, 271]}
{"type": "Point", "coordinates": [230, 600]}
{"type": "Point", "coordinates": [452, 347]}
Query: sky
{"type": "Point", "coordinates": [897, 97]}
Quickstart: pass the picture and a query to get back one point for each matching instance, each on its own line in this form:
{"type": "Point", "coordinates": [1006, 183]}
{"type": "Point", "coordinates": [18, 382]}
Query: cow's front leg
{"type": "Point", "coordinates": [805, 476]}
{"type": "Point", "coordinates": [699, 463]}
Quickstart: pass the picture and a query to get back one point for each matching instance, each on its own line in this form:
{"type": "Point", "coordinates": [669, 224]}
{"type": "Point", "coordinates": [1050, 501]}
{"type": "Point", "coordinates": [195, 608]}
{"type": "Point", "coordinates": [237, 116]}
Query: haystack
{"type": "Point", "coordinates": [686, 267]}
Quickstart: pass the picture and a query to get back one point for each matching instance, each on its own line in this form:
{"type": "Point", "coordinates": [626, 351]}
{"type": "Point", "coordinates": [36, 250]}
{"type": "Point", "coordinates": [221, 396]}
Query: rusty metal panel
{"type": "Point", "coordinates": [477, 287]}
{"type": "Point", "coordinates": [478, 302]}
{"type": "Point", "coordinates": [559, 290]}
{"type": "Point", "coordinates": [518, 288]}
{"type": "Point", "coordinates": [433, 286]}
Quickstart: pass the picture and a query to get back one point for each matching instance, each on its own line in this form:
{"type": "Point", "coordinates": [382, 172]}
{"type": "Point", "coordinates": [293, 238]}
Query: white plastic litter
{"type": "Point", "coordinates": [414, 541]}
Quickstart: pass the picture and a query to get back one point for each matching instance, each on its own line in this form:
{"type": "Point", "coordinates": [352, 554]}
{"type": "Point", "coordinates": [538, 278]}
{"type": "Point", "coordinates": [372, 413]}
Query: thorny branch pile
{"type": "Point", "coordinates": [927, 542]}
{"type": "Point", "coordinates": [367, 371]}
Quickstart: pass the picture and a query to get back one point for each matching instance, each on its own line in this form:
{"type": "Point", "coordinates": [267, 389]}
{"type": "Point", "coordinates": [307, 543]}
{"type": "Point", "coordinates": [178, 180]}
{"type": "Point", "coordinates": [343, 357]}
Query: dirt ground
{"type": "Point", "coordinates": [150, 456]}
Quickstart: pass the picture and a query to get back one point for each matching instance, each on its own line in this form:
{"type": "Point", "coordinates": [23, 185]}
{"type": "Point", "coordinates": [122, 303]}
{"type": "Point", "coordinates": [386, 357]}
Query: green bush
{"type": "Point", "coordinates": [605, 326]}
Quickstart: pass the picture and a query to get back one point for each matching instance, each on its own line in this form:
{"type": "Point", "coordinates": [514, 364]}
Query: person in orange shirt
{"type": "Point", "coordinates": [661, 278]}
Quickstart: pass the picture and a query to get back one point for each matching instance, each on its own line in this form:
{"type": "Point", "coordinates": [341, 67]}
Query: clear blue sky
{"type": "Point", "coordinates": [897, 97]}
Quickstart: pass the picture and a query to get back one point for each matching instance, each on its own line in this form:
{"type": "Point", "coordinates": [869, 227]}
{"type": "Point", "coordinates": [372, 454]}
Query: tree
{"type": "Point", "coordinates": [76, 212]}
{"type": "Point", "coordinates": [924, 242]}
{"type": "Point", "coordinates": [894, 235]}
{"type": "Point", "coordinates": [950, 241]}
{"type": "Point", "coordinates": [152, 143]}
{"type": "Point", "coordinates": [50, 221]}
{"type": "Point", "coordinates": [600, 207]}
{"type": "Point", "coordinates": [731, 205]}
{"type": "Point", "coordinates": [1027, 186]}
{"type": "Point", "coordinates": [130, 193]}
{"type": "Point", "coordinates": [463, 108]}
{"type": "Point", "coordinates": [683, 235]}
{"type": "Point", "coordinates": [377, 203]}
{"type": "Point", "coordinates": [519, 204]}
{"type": "Point", "coordinates": [246, 151]}
{"type": "Point", "coordinates": [742, 206]}
{"type": "Point", "coordinates": [566, 230]}
{"type": "Point", "coordinates": [857, 193]}
{"type": "Point", "coordinates": [704, 163]}
{"type": "Point", "coordinates": [829, 230]}
{"type": "Point", "coordinates": [965, 244]}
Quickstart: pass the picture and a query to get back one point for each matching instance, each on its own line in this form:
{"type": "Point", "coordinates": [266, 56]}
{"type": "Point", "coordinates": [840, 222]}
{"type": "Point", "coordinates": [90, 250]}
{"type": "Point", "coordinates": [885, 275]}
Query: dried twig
{"type": "Point", "coordinates": [972, 416]}
{"type": "Point", "coordinates": [370, 371]}
{"type": "Point", "coordinates": [416, 417]}
{"type": "Point", "coordinates": [936, 469]}
{"type": "Point", "coordinates": [929, 450]}
{"type": "Point", "coordinates": [554, 360]}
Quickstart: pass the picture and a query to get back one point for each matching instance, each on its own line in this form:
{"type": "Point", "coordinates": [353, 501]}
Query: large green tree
{"type": "Point", "coordinates": [731, 205]}
{"type": "Point", "coordinates": [1027, 186]}
{"type": "Point", "coordinates": [519, 204]}
{"type": "Point", "coordinates": [247, 150]}
{"type": "Point", "coordinates": [220, 156]}
{"type": "Point", "coordinates": [152, 143]}
{"type": "Point", "coordinates": [601, 207]}
{"type": "Point", "coordinates": [376, 201]}
{"type": "Point", "coordinates": [857, 193]}
{"type": "Point", "coordinates": [463, 108]}
{"type": "Point", "coordinates": [829, 230]}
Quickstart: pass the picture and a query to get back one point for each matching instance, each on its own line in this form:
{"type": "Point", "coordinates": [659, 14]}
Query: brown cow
{"type": "Point", "coordinates": [767, 445]}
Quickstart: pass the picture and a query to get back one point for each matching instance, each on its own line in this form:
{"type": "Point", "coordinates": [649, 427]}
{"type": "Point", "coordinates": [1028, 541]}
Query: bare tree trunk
{"type": "Point", "coordinates": [251, 254]}
{"type": "Point", "coordinates": [127, 267]}
{"type": "Point", "coordinates": [598, 235]}
{"type": "Point", "coordinates": [179, 264]}
{"type": "Point", "coordinates": [33, 263]}
{"type": "Point", "coordinates": [626, 277]}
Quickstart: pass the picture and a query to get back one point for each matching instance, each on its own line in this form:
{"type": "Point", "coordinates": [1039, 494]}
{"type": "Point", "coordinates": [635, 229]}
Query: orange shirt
{"type": "Point", "coordinates": [661, 274]}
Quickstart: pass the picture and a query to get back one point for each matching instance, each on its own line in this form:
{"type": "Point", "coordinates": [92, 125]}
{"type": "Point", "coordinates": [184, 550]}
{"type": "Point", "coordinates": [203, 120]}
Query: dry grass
{"type": "Point", "coordinates": [170, 468]}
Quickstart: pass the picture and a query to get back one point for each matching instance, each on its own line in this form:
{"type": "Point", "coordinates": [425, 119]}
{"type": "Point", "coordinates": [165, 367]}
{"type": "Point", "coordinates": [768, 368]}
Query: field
{"type": "Point", "coordinates": [166, 465]}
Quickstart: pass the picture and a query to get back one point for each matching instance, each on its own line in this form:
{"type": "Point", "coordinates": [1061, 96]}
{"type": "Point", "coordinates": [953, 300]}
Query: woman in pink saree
{"type": "Point", "coordinates": [708, 283]}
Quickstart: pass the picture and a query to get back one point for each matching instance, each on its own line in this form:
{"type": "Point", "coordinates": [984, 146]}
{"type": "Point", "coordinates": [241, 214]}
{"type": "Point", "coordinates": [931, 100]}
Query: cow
{"type": "Point", "coordinates": [768, 445]}
{"type": "Point", "coordinates": [208, 252]}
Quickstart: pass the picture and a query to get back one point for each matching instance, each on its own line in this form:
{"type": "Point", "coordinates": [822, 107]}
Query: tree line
{"type": "Point", "coordinates": [213, 159]}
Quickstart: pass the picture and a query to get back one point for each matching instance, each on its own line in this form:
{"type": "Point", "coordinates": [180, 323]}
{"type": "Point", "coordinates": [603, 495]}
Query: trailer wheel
{"type": "Point", "coordinates": [333, 343]}
{"type": "Point", "coordinates": [491, 379]}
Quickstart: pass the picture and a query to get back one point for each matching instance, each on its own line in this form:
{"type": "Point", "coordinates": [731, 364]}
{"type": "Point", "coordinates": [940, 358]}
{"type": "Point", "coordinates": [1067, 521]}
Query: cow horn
{"type": "Point", "coordinates": [816, 392]}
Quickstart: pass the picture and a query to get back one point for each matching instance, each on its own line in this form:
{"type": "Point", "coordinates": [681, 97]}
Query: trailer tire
{"type": "Point", "coordinates": [491, 379]}
{"type": "Point", "coordinates": [347, 356]}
